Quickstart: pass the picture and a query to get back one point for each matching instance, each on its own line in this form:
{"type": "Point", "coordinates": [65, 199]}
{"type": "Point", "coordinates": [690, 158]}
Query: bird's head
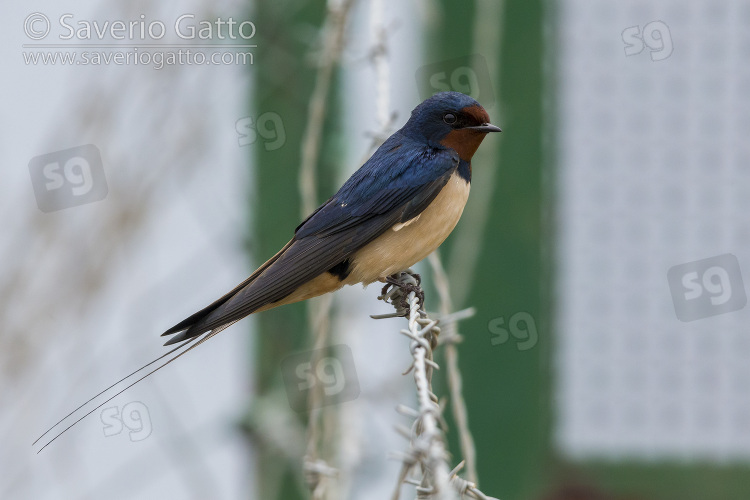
{"type": "Point", "coordinates": [452, 119]}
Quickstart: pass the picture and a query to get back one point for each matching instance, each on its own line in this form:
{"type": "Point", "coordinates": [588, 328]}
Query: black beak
{"type": "Point", "coordinates": [485, 127]}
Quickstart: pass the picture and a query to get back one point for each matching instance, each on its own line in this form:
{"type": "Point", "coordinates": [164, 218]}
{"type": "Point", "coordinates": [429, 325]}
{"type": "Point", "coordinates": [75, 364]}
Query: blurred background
{"type": "Point", "coordinates": [602, 247]}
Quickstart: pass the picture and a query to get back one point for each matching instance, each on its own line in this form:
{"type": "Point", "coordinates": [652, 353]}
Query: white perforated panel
{"type": "Point", "coordinates": [654, 174]}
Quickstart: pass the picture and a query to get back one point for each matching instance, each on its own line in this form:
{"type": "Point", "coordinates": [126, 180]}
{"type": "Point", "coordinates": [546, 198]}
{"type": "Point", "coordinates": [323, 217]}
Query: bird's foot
{"type": "Point", "coordinates": [398, 287]}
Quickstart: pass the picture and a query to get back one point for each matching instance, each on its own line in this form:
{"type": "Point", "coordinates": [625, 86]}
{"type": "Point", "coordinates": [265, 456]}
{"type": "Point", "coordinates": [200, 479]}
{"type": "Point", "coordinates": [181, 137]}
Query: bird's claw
{"type": "Point", "coordinates": [403, 283]}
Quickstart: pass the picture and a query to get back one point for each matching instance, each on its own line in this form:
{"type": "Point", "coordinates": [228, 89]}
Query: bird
{"type": "Point", "coordinates": [395, 210]}
{"type": "Point", "coordinates": [391, 213]}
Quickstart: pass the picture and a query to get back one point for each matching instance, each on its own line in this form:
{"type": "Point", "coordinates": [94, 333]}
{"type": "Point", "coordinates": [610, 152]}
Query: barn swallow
{"type": "Point", "coordinates": [391, 213]}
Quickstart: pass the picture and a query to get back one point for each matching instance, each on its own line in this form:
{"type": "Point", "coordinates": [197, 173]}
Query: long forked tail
{"type": "Point", "coordinates": [83, 406]}
{"type": "Point", "coordinates": [193, 332]}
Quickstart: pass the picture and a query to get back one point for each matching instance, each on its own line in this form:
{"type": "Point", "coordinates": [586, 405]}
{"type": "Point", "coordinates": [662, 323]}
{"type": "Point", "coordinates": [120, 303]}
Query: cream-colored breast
{"type": "Point", "coordinates": [407, 243]}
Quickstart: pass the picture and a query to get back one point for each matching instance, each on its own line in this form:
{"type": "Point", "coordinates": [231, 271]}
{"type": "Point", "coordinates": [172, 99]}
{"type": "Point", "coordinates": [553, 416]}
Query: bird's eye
{"type": "Point", "coordinates": [449, 118]}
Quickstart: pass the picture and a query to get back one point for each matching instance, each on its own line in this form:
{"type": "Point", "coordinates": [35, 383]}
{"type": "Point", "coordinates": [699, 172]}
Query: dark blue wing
{"type": "Point", "coordinates": [400, 175]}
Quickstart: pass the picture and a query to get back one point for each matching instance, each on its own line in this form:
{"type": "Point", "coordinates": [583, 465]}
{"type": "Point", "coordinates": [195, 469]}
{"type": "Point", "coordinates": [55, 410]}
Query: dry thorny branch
{"type": "Point", "coordinates": [316, 469]}
{"type": "Point", "coordinates": [425, 463]}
